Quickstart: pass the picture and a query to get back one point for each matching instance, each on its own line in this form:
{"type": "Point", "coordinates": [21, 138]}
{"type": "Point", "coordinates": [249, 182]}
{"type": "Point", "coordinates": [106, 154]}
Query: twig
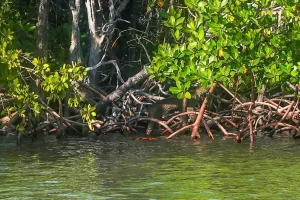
{"type": "Point", "coordinates": [222, 86]}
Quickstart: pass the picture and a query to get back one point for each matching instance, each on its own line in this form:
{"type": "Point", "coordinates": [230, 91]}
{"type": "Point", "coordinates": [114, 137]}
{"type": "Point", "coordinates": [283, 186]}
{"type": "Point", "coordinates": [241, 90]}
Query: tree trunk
{"type": "Point", "coordinates": [42, 40]}
{"type": "Point", "coordinates": [195, 132]}
{"type": "Point", "coordinates": [97, 38]}
{"type": "Point", "coordinates": [42, 29]}
{"type": "Point", "coordinates": [184, 108]}
{"type": "Point", "coordinates": [75, 49]}
{"type": "Point", "coordinates": [99, 31]}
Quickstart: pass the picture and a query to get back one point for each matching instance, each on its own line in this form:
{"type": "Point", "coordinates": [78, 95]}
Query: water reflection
{"type": "Point", "coordinates": [122, 168]}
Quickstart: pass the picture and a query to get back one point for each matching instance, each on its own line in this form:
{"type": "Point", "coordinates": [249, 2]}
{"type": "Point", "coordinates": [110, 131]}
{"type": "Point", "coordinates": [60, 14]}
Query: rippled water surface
{"type": "Point", "coordinates": [122, 168]}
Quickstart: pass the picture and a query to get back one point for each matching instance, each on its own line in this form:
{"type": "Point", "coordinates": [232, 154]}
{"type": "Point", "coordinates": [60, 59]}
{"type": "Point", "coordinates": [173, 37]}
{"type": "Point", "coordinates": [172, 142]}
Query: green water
{"type": "Point", "coordinates": [122, 168]}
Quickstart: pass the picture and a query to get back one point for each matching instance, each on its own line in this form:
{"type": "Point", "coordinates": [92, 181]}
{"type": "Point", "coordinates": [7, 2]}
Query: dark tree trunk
{"type": "Point", "coordinates": [101, 32]}
{"type": "Point", "coordinates": [42, 29]}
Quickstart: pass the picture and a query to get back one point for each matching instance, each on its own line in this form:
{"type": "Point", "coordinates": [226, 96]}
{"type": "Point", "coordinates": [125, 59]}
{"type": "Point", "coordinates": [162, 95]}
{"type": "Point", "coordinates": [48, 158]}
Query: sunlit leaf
{"type": "Point", "coordinates": [188, 95]}
{"type": "Point", "coordinates": [175, 90]}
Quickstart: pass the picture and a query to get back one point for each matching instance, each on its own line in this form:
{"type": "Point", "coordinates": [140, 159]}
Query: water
{"type": "Point", "coordinates": [122, 168]}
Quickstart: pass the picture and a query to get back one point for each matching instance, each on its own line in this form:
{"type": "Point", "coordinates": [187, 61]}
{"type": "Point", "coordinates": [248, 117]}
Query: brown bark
{"type": "Point", "coordinates": [195, 132]}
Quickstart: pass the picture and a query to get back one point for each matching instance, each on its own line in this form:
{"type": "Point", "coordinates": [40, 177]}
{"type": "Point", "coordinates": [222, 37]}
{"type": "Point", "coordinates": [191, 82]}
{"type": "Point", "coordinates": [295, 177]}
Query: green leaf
{"type": "Point", "coordinates": [175, 90]}
{"type": "Point", "coordinates": [223, 3]}
{"type": "Point", "coordinates": [294, 73]}
{"type": "Point", "coordinates": [200, 33]}
{"type": "Point", "coordinates": [187, 85]}
{"type": "Point", "coordinates": [189, 3]}
{"type": "Point", "coordinates": [192, 45]}
{"type": "Point", "coordinates": [214, 26]}
{"type": "Point", "coordinates": [191, 24]}
{"type": "Point", "coordinates": [20, 128]}
{"type": "Point", "coordinates": [47, 88]}
{"type": "Point", "coordinates": [188, 95]}
{"type": "Point", "coordinates": [255, 62]}
{"type": "Point", "coordinates": [12, 109]}
{"type": "Point", "coordinates": [172, 20]}
{"type": "Point", "coordinates": [177, 35]}
{"type": "Point", "coordinates": [180, 95]}
{"type": "Point", "coordinates": [187, 30]}
{"type": "Point", "coordinates": [35, 61]}
{"type": "Point", "coordinates": [163, 14]}
{"type": "Point", "coordinates": [178, 84]}
{"type": "Point", "coordinates": [202, 4]}
{"type": "Point", "coordinates": [180, 20]}
{"type": "Point", "coordinates": [45, 66]}
{"type": "Point", "coordinates": [20, 97]}
{"type": "Point", "coordinates": [269, 75]}
{"type": "Point", "coordinates": [211, 59]}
